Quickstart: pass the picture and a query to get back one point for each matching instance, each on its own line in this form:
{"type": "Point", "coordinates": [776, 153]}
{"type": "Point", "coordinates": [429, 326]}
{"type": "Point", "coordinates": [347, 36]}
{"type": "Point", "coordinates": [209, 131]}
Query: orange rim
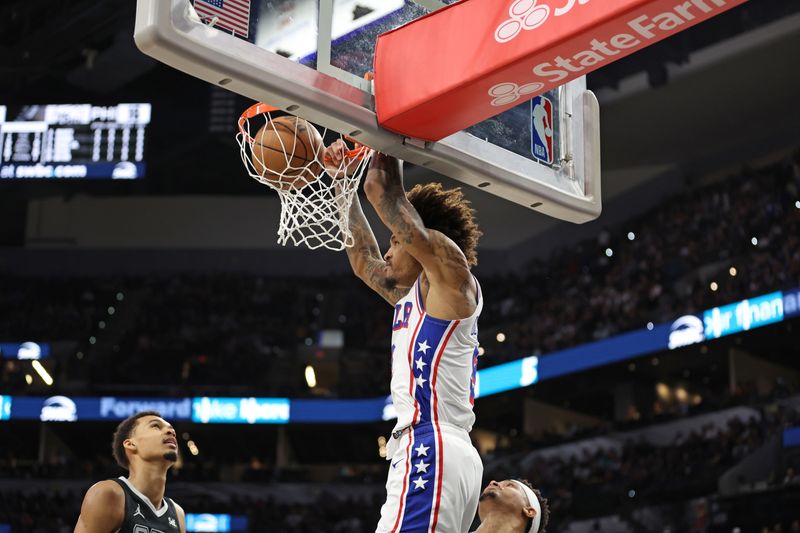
{"type": "Point", "coordinates": [251, 112]}
{"type": "Point", "coordinates": [358, 152]}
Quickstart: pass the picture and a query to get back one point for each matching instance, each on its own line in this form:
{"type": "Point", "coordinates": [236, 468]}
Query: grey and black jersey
{"type": "Point", "coordinates": [141, 516]}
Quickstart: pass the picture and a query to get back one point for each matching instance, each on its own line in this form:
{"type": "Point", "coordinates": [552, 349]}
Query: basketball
{"type": "Point", "coordinates": [285, 152]}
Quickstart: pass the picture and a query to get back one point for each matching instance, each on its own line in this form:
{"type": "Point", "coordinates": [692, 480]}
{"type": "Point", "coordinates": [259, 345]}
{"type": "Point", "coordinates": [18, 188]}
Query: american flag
{"type": "Point", "coordinates": [233, 15]}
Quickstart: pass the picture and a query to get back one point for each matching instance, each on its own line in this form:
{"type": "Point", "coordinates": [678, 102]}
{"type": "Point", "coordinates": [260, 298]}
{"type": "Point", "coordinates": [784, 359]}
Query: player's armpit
{"type": "Point", "coordinates": [103, 508]}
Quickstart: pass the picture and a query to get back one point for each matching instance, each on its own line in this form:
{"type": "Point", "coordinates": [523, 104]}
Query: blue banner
{"type": "Point", "coordinates": [53, 408]}
{"type": "Point", "coordinates": [508, 376]}
{"type": "Point", "coordinates": [115, 408]}
{"type": "Point", "coordinates": [605, 352]}
{"type": "Point", "coordinates": [72, 409]}
{"type": "Point", "coordinates": [743, 316]}
{"type": "Point", "coordinates": [24, 350]}
{"type": "Point", "coordinates": [5, 407]}
{"type": "Point", "coordinates": [122, 170]}
{"type": "Point", "coordinates": [338, 411]}
{"type": "Point", "coordinates": [791, 437]}
{"type": "Point", "coordinates": [791, 303]}
{"type": "Point", "coordinates": [214, 523]}
{"type": "Point", "coordinates": [241, 410]}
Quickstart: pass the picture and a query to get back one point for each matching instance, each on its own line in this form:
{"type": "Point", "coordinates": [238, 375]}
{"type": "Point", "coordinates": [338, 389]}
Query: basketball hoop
{"type": "Point", "coordinates": [286, 154]}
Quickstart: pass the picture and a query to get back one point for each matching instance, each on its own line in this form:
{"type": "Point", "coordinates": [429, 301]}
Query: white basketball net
{"type": "Point", "coordinates": [315, 196]}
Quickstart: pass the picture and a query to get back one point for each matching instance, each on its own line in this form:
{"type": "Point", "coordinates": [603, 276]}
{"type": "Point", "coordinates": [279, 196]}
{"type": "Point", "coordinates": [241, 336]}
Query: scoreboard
{"type": "Point", "coordinates": [73, 141]}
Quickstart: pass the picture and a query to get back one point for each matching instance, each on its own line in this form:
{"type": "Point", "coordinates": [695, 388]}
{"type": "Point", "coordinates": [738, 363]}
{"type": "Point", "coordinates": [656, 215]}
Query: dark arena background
{"type": "Point", "coordinates": [642, 370]}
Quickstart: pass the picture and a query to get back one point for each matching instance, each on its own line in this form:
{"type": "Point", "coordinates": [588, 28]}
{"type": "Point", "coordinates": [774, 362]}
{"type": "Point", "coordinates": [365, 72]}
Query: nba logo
{"type": "Point", "coordinates": [542, 129]}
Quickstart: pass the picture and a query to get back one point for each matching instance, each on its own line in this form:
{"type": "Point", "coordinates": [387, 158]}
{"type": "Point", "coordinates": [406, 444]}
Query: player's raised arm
{"type": "Point", "coordinates": [102, 510]}
{"type": "Point", "coordinates": [445, 266]}
{"type": "Point", "coordinates": [365, 255]}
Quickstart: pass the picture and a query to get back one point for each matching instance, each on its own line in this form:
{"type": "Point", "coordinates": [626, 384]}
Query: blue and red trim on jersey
{"type": "Point", "coordinates": [420, 499]}
{"type": "Point", "coordinates": [432, 336]}
{"type": "Point", "coordinates": [411, 371]}
{"type": "Point", "coordinates": [437, 429]}
{"type": "Point", "coordinates": [406, 484]}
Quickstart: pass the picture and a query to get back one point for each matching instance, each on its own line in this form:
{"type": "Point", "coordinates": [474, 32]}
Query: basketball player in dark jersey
{"type": "Point", "coordinates": [146, 446]}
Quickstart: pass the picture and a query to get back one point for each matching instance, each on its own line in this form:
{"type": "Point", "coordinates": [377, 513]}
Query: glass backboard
{"type": "Point", "coordinates": [309, 57]}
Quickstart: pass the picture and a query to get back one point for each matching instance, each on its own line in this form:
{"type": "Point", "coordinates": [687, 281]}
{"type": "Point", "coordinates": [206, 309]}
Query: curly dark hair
{"type": "Point", "coordinates": [448, 212]}
{"type": "Point", "coordinates": [123, 432]}
{"type": "Point", "coordinates": [542, 503]}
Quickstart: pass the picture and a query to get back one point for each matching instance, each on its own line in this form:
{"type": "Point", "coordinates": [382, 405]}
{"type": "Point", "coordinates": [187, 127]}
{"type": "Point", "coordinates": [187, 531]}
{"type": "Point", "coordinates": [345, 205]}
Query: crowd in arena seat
{"type": "Point", "coordinates": [56, 510]}
{"type": "Point", "coordinates": [779, 527]}
{"type": "Point", "coordinates": [595, 483]}
{"type": "Point", "coordinates": [238, 468]}
{"type": "Point", "coordinates": [54, 308]}
{"type": "Point", "coordinates": [606, 479]}
{"type": "Point", "coordinates": [715, 399]}
{"type": "Point", "coordinates": [580, 294]}
{"type": "Point", "coordinates": [223, 330]}
{"type": "Point", "coordinates": [51, 511]}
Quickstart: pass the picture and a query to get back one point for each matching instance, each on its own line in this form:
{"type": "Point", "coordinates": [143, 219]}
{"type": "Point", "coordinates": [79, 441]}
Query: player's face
{"type": "Point", "coordinates": [503, 496]}
{"type": "Point", "coordinates": [400, 265]}
{"type": "Point", "coordinates": [154, 439]}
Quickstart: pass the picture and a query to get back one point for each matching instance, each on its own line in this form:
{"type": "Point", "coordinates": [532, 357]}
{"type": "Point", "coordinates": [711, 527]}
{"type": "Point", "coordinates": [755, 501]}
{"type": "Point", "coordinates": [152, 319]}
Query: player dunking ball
{"type": "Point", "coordinates": [512, 506]}
{"type": "Point", "coordinates": [146, 446]}
{"type": "Point", "coordinates": [435, 473]}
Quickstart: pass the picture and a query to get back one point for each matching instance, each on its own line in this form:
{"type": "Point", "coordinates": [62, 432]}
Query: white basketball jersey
{"type": "Point", "coordinates": [434, 364]}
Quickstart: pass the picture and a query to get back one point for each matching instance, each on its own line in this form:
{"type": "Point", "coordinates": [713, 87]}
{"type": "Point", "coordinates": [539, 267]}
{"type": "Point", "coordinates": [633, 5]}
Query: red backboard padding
{"type": "Point", "coordinates": [475, 59]}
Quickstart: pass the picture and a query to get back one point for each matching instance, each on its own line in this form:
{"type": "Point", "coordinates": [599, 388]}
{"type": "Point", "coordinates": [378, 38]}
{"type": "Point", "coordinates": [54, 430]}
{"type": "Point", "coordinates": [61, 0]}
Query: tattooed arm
{"type": "Point", "coordinates": [365, 255]}
{"type": "Point", "coordinates": [452, 290]}
{"type": "Point", "coordinates": [366, 260]}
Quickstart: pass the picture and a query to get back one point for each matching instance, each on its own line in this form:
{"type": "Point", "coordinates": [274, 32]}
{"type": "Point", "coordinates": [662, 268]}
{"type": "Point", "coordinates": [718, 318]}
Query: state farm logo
{"type": "Point", "coordinates": [526, 15]}
{"type": "Point", "coordinates": [507, 93]}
